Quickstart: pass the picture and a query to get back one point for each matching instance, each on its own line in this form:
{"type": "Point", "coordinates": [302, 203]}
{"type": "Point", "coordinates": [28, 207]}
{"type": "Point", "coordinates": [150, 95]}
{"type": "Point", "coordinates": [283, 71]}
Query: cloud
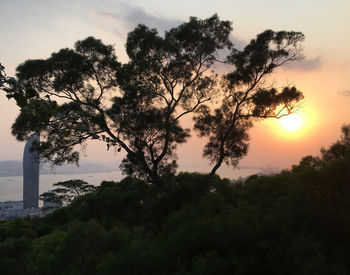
{"type": "Point", "coordinates": [126, 18]}
{"type": "Point", "coordinates": [138, 15]}
{"type": "Point", "coordinates": [130, 17]}
{"type": "Point", "coordinates": [307, 64]}
{"type": "Point", "coordinates": [345, 93]}
{"type": "Point", "coordinates": [238, 43]}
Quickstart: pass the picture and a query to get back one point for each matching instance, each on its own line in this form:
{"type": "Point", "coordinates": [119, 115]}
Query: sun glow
{"type": "Point", "coordinates": [295, 126]}
{"type": "Point", "coordinates": [292, 122]}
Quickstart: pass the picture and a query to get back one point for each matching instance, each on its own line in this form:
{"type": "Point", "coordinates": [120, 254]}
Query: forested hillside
{"type": "Point", "coordinates": [296, 222]}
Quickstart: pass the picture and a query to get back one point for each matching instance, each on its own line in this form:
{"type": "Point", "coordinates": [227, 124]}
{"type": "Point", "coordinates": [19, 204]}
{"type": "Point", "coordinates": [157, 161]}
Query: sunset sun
{"type": "Point", "coordinates": [296, 126]}
{"type": "Point", "coordinates": [291, 123]}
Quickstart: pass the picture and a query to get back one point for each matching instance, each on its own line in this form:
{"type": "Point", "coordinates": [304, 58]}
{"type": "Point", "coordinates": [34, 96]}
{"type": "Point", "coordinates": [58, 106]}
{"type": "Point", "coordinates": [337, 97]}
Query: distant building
{"type": "Point", "coordinates": [31, 174]}
{"type": "Point", "coordinates": [11, 205]}
{"type": "Point", "coordinates": [29, 207]}
{"type": "Point", "coordinates": [14, 209]}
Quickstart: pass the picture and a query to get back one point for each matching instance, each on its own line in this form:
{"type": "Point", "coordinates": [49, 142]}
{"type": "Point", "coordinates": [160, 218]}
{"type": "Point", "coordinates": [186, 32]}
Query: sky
{"type": "Point", "coordinates": [32, 29]}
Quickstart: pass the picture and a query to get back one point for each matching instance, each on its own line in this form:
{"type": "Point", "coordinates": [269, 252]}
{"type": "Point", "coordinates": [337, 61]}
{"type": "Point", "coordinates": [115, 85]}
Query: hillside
{"type": "Point", "coordinates": [295, 222]}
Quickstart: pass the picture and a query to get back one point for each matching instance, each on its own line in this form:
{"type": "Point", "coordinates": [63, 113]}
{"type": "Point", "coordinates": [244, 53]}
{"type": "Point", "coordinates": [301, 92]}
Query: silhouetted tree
{"type": "Point", "coordinates": [66, 191]}
{"type": "Point", "coordinates": [248, 96]}
{"type": "Point", "coordinates": [307, 163]}
{"type": "Point", "coordinates": [85, 93]}
{"type": "Point", "coordinates": [340, 148]}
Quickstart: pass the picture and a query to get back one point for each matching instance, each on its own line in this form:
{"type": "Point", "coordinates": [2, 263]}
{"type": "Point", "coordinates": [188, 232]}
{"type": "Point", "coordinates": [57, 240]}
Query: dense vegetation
{"type": "Point", "coordinates": [295, 222]}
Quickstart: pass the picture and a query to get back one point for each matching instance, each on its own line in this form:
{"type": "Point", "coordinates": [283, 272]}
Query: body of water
{"type": "Point", "coordinates": [11, 188]}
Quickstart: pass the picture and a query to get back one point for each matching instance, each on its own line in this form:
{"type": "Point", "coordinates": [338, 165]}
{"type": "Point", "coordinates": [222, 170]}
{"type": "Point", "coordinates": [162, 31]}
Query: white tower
{"type": "Point", "coordinates": [31, 174]}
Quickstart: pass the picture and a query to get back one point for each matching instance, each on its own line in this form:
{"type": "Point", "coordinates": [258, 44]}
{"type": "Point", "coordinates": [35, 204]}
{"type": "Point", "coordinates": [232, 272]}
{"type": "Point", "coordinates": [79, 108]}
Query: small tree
{"type": "Point", "coordinates": [85, 93]}
{"type": "Point", "coordinates": [67, 191]}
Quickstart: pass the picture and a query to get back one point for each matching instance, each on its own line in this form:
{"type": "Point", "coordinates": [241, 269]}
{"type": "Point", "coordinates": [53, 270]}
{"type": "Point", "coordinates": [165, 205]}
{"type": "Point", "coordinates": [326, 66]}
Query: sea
{"type": "Point", "coordinates": [11, 188]}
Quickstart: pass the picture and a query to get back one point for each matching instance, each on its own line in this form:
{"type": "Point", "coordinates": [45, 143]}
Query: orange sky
{"type": "Point", "coordinates": [36, 29]}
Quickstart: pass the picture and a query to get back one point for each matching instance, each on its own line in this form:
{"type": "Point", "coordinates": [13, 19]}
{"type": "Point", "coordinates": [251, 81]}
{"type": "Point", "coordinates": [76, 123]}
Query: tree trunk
{"type": "Point", "coordinates": [220, 160]}
{"type": "Point", "coordinates": [159, 182]}
{"type": "Point", "coordinates": [217, 165]}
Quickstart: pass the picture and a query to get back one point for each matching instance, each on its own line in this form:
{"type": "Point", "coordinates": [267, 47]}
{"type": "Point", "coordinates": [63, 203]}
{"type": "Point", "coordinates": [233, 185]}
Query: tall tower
{"type": "Point", "coordinates": [31, 174]}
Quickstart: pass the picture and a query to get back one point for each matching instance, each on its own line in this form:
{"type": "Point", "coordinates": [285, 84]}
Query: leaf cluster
{"type": "Point", "coordinates": [65, 192]}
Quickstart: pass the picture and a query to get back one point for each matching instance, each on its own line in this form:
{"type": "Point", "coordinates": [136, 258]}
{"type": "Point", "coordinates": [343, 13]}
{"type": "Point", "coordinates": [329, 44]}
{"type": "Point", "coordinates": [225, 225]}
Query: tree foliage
{"type": "Point", "coordinates": [65, 192]}
{"type": "Point", "coordinates": [295, 222]}
{"type": "Point", "coordinates": [2, 75]}
{"type": "Point", "coordinates": [339, 150]}
{"type": "Point", "coordinates": [248, 97]}
{"type": "Point", "coordinates": [5, 81]}
{"type": "Point", "coordinates": [85, 93]}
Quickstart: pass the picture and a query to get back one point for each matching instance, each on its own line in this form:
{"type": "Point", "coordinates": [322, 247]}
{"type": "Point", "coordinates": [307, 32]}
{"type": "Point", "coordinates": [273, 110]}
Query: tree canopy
{"type": "Point", "coordinates": [65, 192]}
{"type": "Point", "coordinates": [294, 222]}
{"type": "Point", "coordinates": [85, 93]}
{"type": "Point", "coordinates": [339, 150]}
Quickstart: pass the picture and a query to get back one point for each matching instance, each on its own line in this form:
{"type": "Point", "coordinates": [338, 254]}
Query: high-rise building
{"type": "Point", "coordinates": [31, 174]}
